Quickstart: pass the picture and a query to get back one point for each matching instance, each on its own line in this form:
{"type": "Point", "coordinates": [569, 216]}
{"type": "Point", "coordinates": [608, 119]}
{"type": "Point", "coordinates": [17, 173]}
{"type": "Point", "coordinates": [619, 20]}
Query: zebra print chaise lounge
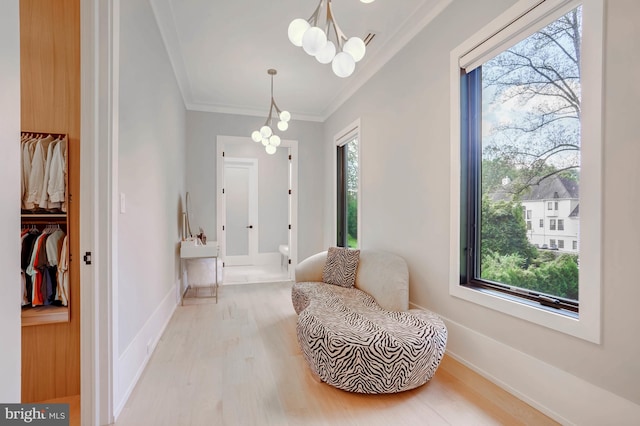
{"type": "Point", "coordinates": [363, 338]}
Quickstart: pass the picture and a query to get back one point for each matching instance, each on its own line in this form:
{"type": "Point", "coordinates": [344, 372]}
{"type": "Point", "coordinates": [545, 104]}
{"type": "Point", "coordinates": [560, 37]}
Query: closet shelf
{"type": "Point", "coordinates": [44, 215]}
{"type": "Point", "coordinates": [44, 315]}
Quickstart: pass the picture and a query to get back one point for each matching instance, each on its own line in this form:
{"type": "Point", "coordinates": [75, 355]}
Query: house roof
{"type": "Point", "coordinates": [553, 187]}
{"type": "Point", "coordinates": [549, 188]}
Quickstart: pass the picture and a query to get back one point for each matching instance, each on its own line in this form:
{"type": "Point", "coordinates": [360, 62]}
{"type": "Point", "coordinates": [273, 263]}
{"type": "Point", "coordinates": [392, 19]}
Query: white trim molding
{"type": "Point", "coordinates": [99, 100]}
{"type": "Point", "coordinates": [136, 356]}
{"type": "Point", "coordinates": [564, 397]}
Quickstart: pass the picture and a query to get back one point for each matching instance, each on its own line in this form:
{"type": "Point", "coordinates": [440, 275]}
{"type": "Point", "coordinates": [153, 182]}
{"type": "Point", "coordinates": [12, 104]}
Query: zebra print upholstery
{"type": "Point", "coordinates": [351, 343]}
{"type": "Point", "coordinates": [341, 266]}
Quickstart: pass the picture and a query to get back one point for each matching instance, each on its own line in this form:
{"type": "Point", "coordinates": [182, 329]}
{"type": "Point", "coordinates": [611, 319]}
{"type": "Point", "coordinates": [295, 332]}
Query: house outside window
{"type": "Point", "coordinates": [508, 110]}
{"type": "Point", "coordinates": [560, 224]}
{"type": "Point", "coordinates": [560, 244]}
{"type": "Point", "coordinates": [575, 245]}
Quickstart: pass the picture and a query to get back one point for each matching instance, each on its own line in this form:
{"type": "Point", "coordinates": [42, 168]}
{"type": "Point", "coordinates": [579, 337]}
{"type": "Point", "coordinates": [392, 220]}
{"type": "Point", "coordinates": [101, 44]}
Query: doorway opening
{"type": "Point", "coordinates": [256, 210]}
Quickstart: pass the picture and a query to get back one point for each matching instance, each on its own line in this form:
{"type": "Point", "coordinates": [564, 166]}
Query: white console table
{"type": "Point", "coordinates": [190, 250]}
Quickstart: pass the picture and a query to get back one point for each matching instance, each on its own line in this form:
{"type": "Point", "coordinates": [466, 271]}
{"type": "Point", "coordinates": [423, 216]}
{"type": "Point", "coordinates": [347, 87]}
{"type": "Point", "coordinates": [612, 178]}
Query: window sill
{"type": "Point", "coordinates": [578, 325]}
{"type": "Point", "coordinates": [526, 302]}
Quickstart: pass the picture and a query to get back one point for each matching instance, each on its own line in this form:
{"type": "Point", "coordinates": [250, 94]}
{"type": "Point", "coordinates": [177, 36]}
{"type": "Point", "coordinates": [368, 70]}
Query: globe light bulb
{"type": "Point", "coordinates": [343, 65]}
{"type": "Point", "coordinates": [256, 136]}
{"type": "Point", "coordinates": [270, 149]}
{"type": "Point", "coordinates": [297, 28]}
{"type": "Point", "coordinates": [367, 1]}
{"type": "Point", "coordinates": [326, 54]}
{"type": "Point", "coordinates": [283, 125]}
{"type": "Point", "coordinates": [265, 141]}
{"type": "Point", "coordinates": [266, 131]}
{"type": "Point", "coordinates": [355, 47]}
{"type": "Point", "coordinates": [285, 115]}
{"type": "Point", "coordinates": [313, 40]}
{"type": "Point", "coordinates": [274, 140]}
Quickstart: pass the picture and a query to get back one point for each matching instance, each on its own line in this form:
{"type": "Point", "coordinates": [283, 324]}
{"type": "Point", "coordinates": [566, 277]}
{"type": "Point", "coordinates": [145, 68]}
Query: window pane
{"type": "Point", "coordinates": [347, 203]}
{"type": "Point", "coordinates": [352, 193]}
{"type": "Point", "coordinates": [530, 151]}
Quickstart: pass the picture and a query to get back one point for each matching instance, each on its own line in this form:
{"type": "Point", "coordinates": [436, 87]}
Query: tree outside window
{"type": "Point", "coordinates": [530, 97]}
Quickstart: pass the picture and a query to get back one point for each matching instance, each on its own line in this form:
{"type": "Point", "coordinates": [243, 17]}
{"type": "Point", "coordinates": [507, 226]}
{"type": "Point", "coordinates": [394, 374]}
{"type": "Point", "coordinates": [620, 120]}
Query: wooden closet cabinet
{"type": "Point", "coordinates": [50, 103]}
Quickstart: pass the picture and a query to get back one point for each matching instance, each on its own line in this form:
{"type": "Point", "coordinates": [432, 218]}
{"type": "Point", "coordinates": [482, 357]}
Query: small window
{"type": "Point", "coordinates": [348, 184]}
{"type": "Point", "coordinates": [552, 244]}
{"type": "Point", "coordinates": [528, 214]}
{"type": "Point", "coordinates": [528, 225]}
{"type": "Point", "coordinates": [555, 205]}
{"type": "Point", "coordinates": [560, 224]}
{"type": "Point", "coordinates": [552, 224]}
{"type": "Point", "coordinates": [541, 223]}
{"type": "Point", "coordinates": [560, 244]}
{"type": "Point", "coordinates": [550, 205]}
{"type": "Point", "coordinates": [575, 245]}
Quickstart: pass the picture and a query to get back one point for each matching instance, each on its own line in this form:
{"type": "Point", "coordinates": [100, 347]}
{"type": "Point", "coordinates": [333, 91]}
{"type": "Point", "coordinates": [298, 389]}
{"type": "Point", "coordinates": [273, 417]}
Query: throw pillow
{"type": "Point", "coordinates": [341, 266]}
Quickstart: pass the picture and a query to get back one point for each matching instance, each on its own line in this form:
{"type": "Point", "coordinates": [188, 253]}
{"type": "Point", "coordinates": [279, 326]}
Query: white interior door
{"type": "Point", "coordinates": [241, 204]}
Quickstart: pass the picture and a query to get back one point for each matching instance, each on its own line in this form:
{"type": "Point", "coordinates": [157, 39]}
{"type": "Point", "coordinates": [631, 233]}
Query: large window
{"type": "Point", "coordinates": [520, 138]}
{"type": "Point", "coordinates": [348, 178]}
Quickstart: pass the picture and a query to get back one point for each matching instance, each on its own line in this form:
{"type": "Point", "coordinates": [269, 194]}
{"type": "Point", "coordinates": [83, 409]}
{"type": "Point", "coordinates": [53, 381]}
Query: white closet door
{"type": "Point", "coordinates": [241, 194]}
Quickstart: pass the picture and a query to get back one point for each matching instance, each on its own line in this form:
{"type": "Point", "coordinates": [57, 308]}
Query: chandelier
{"type": "Point", "coordinates": [265, 135]}
{"type": "Point", "coordinates": [343, 53]}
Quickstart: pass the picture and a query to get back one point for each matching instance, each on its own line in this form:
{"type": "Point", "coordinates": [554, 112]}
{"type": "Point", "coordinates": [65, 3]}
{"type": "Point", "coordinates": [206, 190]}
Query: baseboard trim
{"type": "Point", "coordinates": [134, 359]}
{"type": "Point", "coordinates": [566, 398]}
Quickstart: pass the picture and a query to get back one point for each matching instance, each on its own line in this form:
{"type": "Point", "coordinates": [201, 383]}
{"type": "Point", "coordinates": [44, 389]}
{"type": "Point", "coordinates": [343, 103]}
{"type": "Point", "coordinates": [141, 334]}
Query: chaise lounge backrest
{"type": "Point", "coordinates": [383, 275]}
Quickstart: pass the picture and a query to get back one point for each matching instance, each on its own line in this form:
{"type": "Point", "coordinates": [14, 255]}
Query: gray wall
{"type": "Point", "coordinates": [151, 170]}
{"type": "Point", "coordinates": [202, 130]}
{"type": "Point", "coordinates": [404, 111]}
{"type": "Point", "coordinates": [10, 330]}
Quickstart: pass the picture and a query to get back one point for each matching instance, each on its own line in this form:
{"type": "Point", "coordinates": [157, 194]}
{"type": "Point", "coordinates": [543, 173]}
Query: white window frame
{"type": "Point", "coordinates": [342, 137]}
{"type": "Point", "coordinates": [514, 25]}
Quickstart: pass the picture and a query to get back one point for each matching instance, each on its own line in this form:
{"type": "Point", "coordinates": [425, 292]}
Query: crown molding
{"type": "Point", "coordinates": [225, 109]}
{"type": "Point", "coordinates": [418, 20]}
{"type": "Point", "coordinates": [166, 24]}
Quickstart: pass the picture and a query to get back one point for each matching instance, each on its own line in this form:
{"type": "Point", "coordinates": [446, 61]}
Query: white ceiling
{"type": "Point", "coordinates": [221, 50]}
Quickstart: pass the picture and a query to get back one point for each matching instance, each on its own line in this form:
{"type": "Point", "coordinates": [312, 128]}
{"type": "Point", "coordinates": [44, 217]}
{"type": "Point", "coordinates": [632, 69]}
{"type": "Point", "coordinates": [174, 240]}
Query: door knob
{"type": "Point", "coordinates": [250, 226]}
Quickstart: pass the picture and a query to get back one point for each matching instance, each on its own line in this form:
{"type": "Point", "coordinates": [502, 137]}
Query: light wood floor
{"type": "Point", "coordinates": [237, 362]}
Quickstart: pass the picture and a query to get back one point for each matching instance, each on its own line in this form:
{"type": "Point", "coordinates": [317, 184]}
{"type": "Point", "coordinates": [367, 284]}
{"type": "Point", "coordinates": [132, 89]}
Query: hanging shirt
{"type": "Point", "coordinates": [54, 246]}
{"type": "Point", "coordinates": [27, 155]}
{"type": "Point", "coordinates": [62, 294]}
{"type": "Point", "coordinates": [36, 174]}
{"type": "Point", "coordinates": [56, 186]}
{"type": "Point", "coordinates": [27, 250]}
{"type": "Point", "coordinates": [32, 269]}
{"type": "Point", "coordinates": [45, 201]}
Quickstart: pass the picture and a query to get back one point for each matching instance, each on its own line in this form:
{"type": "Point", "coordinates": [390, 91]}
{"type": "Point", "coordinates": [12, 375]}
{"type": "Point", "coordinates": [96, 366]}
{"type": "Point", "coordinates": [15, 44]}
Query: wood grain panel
{"type": "Point", "coordinates": [50, 102]}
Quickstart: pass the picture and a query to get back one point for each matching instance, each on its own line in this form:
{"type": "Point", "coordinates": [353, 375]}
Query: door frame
{"type": "Point", "coordinates": [99, 63]}
{"type": "Point", "coordinates": [252, 165]}
{"type": "Point", "coordinates": [292, 146]}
